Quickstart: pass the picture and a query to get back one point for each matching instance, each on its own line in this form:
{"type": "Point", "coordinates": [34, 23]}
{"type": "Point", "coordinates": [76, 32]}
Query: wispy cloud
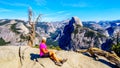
{"type": "Point", "coordinates": [54, 18]}
{"type": "Point", "coordinates": [79, 4]}
{"type": "Point", "coordinates": [55, 13]}
{"type": "Point", "coordinates": [46, 8]}
{"type": "Point", "coordinates": [49, 19]}
{"type": "Point", "coordinates": [5, 10]}
{"type": "Point", "coordinates": [21, 4]}
{"type": "Point", "coordinates": [67, 14]}
{"type": "Point", "coordinates": [41, 2]}
{"type": "Point", "coordinates": [60, 12]}
{"type": "Point", "coordinates": [14, 4]}
{"type": "Point", "coordinates": [57, 16]}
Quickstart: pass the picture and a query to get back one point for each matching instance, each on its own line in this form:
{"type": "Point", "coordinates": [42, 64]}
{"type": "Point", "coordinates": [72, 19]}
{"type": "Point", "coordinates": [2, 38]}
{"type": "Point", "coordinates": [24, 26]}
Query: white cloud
{"type": "Point", "coordinates": [60, 12]}
{"type": "Point", "coordinates": [56, 13]}
{"type": "Point", "coordinates": [57, 16]}
{"type": "Point", "coordinates": [41, 2]}
{"type": "Point", "coordinates": [20, 4]}
{"type": "Point", "coordinates": [79, 4]}
{"type": "Point", "coordinates": [49, 19]}
{"type": "Point", "coordinates": [67, 14]}
{"type": "Point", "coordinates": [5, 10]}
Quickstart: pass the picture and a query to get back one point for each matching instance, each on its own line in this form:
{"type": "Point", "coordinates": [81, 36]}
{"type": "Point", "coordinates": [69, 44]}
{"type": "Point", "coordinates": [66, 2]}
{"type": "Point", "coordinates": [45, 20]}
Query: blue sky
{"type": "Point", "coordinates": [57, 10]}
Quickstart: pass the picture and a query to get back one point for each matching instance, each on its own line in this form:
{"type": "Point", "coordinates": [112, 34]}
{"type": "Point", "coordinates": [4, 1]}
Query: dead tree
{"type": "Point", "coordinates": [96, 51]}
{"type": "Point", "coordinates": [32, 23]}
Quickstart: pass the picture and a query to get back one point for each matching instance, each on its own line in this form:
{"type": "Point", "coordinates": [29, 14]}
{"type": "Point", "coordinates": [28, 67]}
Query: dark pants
{"type": "Point", "coordinates": [45, 55]}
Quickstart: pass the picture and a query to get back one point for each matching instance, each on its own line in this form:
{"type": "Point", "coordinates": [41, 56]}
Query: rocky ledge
{"type": "Point", "coordinates": [27, 57]}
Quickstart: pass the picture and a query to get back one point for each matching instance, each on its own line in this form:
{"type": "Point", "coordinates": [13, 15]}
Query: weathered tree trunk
{"type": "Point", "coordinates": [32, 29]}
{"type": "Point", "coordinates": [96, 51]}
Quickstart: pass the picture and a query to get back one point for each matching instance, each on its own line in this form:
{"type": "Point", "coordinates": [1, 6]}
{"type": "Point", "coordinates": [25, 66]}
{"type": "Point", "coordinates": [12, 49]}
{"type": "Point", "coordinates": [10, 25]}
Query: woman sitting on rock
{"type": "Point", "coordinates": [45, 53]}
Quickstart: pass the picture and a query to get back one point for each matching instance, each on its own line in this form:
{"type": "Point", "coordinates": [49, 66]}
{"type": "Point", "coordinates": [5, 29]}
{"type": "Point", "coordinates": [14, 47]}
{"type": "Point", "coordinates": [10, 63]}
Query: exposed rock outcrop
{"type": "Point", "coordinates": [7, 34]}
{"type": "Point", "coordinates": [22, 28]}
{"type": "Point", "coordinates": [77, 21]}
{"type": "Point", "coordinates": [27, 57]}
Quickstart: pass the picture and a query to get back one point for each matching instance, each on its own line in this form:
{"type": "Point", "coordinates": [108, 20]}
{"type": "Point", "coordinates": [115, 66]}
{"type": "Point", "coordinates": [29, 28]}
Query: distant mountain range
{"type": "Point", "coordinates": [112, 27]}
{"type": "Point", "coordinates": [53, 30]}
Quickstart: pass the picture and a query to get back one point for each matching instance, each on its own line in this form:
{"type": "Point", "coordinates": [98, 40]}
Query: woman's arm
{"type": "Point", "coordinates": [44, 50]}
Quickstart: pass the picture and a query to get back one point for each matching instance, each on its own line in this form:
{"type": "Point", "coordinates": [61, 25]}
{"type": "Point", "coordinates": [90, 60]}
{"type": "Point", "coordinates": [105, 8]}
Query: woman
{"type": "Point", "coordinates": [45, 53]}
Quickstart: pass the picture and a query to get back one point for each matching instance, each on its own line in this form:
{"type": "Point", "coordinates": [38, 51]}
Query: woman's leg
{"type": "Point", "coordinates": [54, 57]}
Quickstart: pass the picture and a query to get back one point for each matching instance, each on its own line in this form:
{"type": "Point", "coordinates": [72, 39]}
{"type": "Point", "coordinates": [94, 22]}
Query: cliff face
{"type": "Point", "coordinates": [76, 37]}
{"type": "Point", "coordinates": [27, 57]}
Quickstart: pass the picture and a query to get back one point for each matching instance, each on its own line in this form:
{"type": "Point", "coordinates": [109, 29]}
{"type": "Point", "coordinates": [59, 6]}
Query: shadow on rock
{"type": "Point", "coordinates": [86, 54]}
{"type": "Point", "coordinates": [107, 63]}
{"type": "Point", "coordinates": [103, 61]}
{"type": "Point", "coordinates": [34, 56]}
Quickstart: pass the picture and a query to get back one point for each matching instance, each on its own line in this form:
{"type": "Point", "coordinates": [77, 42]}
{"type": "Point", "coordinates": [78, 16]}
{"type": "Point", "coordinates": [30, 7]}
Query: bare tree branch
{"type": "Point", "coordinates": [96, 51]}
{"type": "Point", "coordinates": [39, 17]}
{"type": "Point", "coordinates": [30, 15]}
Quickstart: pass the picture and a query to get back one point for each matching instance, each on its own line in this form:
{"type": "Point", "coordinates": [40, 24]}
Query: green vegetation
{"type": "Point", "coordinates": [49, 47]}
{"type": "Point", "coordinates": [100, 35]}
{"type": "Point", "coordinates": [54, 35]}
{"type": "Point", "coordinates": [90, 34]}
{"type": "Point", "coordinates": [36, 46]}
{"type": "Point", "coordinates": [13, 28]}
{"type": "Point", "coordinates": [116, 48]}
{"type": "Point", "coordinates": [36, 35]}
{"type": "Point", "coordinates": [24, 37]}
{"type": "Point", "coordinates": [54, 47]}
{"type": "Point", "coordinates": [88, 42]}
{"type": "Point", "coordinates": [2, 42]}
{"type": "Point", "coordinates": [51, 42]}
{"type": "Point", "coordinates": [76, 29]}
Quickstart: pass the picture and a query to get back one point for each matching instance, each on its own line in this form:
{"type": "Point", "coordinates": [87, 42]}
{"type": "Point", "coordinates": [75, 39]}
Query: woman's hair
{"type": "Point", "coordinates": [43, 39]}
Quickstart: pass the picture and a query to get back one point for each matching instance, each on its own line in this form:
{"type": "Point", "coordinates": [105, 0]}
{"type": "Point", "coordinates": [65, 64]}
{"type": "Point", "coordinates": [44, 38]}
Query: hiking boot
{"type": "Point", "coordinates": [63, 61]}
{"type": "Point", "coordinates": [58, 63]}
